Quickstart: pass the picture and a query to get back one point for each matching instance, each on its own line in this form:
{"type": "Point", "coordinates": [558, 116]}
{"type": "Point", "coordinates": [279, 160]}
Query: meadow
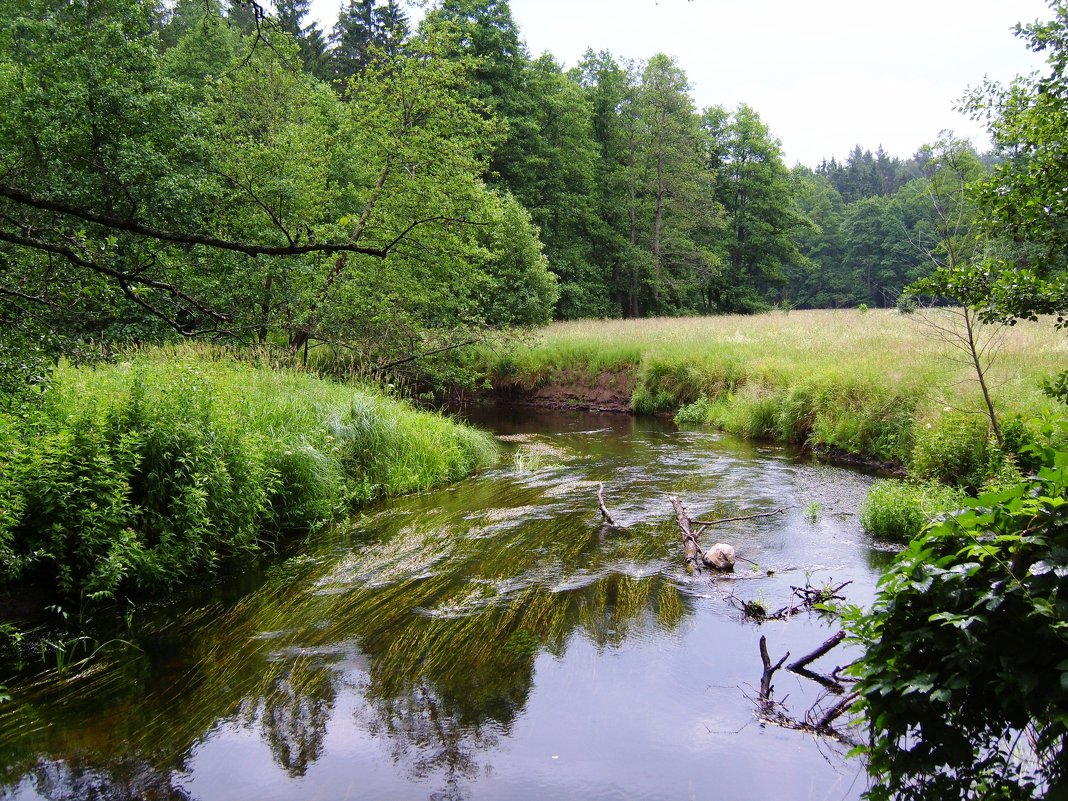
{"type": "Point", "coordinates": [869, 383]}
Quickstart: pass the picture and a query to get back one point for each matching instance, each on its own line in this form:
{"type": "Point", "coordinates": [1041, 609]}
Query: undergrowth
{"type": "Point", "coordinates": [129, 479]}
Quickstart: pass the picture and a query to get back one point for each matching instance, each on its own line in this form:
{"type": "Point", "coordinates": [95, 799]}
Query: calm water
{"type": "Point", "coordinates": [486, 641]}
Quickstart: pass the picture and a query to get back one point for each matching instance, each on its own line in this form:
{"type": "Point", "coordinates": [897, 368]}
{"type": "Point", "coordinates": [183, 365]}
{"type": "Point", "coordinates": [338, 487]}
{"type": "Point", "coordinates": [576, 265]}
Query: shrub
{"type": "Point", "coordinates": [133, 478]}
{"type": "Point", "coordinates": [954, 451]}
{"type": "Point", "coordinates": [964, 681]}
{"type": "Point", "coordinates": [696, 413]}
{"type": "Point", "coordinates": [899, 510]}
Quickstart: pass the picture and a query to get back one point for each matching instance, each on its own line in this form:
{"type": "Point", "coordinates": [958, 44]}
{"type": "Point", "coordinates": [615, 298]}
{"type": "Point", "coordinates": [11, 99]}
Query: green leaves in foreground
{"type": "Point", "coordinates": [965, 678]}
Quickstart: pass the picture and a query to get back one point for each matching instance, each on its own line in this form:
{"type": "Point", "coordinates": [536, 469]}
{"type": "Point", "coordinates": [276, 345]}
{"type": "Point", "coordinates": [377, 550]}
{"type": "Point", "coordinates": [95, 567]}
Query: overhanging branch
{"type": "Point", "coordinates": [133, 226]}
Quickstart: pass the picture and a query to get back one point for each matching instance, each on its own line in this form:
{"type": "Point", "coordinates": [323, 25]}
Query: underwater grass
{"type": "Point", "coordinates": [129, 479]}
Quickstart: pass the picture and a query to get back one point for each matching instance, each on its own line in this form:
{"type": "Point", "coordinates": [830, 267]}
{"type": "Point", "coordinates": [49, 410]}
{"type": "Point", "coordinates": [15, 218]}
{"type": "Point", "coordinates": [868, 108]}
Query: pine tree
{"type": "Point", "coordinates": [364, 27]}
{"type": "Point", "coordinates": [309, 38]}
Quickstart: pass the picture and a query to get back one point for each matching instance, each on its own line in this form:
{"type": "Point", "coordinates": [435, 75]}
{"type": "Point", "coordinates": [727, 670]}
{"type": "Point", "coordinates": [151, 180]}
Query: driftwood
{"type": "Point", "coordinates": [817, 721]}
{"type": "Point", "coordinates": [608, 519]}
{"type": "Point", "coordinates": [831, 641]}
{"type": "Point", "coordinates": [720, 556]}
{"type": "Point", "coordinates": [769, 671]}
{"type": "Point", "coordinates": [706, 523]}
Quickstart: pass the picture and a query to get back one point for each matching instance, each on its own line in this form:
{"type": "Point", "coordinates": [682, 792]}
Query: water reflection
{"type": "Point", "coordinates": [419, 644]}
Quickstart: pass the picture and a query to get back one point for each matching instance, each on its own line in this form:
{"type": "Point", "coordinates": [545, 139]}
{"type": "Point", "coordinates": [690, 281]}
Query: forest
{"type": "Point", "coordinates": [240, 257]}
{"type": "Point", "coordinates": [203, 170]}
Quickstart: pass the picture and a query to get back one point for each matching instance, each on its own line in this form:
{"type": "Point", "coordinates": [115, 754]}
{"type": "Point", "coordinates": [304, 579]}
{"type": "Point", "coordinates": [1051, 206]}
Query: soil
{"type": "Point", "coordinates": [575, 389]}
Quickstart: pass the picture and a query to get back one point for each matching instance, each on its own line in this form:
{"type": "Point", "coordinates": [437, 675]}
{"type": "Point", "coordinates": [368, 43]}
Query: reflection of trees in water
{"type": "Point", "coordinates": [448, 615]}
{"type": "Point", "coordinates": [429, 739]}
{"type": "Point", "coordinates": [443, 690]}
{"type": "Point", "coordinates": [78, 778]}
{"type": "Point", "coordinates": [294, 712]}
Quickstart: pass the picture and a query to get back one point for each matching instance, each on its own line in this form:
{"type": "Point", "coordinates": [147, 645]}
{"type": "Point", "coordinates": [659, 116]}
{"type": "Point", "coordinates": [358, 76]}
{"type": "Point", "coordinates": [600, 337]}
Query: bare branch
{"type": "Point", "coordinates": [604, 509]}
{"type": "Point", "coordinates": [133, 226]}
{"type": "Point", "coordinates": [830, 643]}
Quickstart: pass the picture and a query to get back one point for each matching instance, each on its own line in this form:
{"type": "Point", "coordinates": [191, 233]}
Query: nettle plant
{"type": "Point", "coordinates": [965, 677]}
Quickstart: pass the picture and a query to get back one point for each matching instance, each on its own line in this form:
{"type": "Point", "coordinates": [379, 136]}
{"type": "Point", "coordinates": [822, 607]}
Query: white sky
{"type": "Point", "coordinates": [824, 74]}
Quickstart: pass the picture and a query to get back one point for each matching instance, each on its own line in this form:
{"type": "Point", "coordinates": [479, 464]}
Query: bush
{"type": "Point", "coordinates": [133, 478]}
{"type": "Point", "coordinates": [954, 451]}
{"type": "Point", "coordinates": [899, 510]}
{"type": "Point", "coordinates": [696, 413]}
{"type": "Point", "coordinates": [964, 682]}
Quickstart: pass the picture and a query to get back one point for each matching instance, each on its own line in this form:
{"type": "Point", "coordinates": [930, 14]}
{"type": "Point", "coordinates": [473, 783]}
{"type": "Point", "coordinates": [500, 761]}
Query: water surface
{"type": "Point", "coordinates": [491, 640]}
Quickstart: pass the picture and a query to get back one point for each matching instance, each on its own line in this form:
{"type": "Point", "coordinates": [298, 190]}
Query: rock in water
{"type": "Point", "coordinates": [720, 556]}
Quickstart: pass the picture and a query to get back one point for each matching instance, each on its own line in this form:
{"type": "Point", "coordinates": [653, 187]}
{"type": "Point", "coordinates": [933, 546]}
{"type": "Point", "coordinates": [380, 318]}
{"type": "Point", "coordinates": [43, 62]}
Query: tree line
{"type": "Point", "coordinates": [205, 167]}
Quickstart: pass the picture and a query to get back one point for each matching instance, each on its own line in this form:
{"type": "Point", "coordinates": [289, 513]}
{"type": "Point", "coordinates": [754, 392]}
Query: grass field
{"type": "Point", "coordinates": [865, 382]}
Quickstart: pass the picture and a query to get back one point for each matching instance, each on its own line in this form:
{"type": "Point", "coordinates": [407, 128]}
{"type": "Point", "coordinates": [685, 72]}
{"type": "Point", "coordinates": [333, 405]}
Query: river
{"type": "Point", "coordinates": [490, 640]}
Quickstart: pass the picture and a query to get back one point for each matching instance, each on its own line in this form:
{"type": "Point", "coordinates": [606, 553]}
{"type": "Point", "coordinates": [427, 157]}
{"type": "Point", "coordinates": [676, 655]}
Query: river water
{"type": "Point", "coordinates": [491, 640]}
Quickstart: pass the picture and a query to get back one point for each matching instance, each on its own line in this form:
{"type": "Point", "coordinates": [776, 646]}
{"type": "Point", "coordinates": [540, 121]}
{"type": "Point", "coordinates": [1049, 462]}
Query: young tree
{"type": "Point", "coordinates": [954, 252]}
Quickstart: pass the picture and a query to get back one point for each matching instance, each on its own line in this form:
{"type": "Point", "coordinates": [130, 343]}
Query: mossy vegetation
{"type": "Point", "coordinates": [131, 478]}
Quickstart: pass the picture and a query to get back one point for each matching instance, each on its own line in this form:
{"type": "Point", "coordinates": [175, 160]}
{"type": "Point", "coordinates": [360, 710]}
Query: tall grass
{"type": "Point", "coordinates": [865, 383]}
{"type": "Point", "coordinates": [131, 478]}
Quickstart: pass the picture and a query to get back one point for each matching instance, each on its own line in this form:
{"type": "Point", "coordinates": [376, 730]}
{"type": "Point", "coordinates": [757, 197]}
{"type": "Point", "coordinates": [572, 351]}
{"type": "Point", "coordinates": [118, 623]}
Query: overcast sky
{"type": "Point", "coordinates": [824, 74]}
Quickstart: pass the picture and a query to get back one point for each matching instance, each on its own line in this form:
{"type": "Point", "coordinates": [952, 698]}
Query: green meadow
{"type": "Point", "coordinates": [869, 383]}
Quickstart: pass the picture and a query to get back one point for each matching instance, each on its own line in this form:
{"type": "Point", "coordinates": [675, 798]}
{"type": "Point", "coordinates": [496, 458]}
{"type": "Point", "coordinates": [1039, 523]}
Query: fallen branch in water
{"type": "Point", "coordinates": [706, 523]}
{"type": "Point", "coordinates": [769, 671]}
{"type": "Point", "coordinates": [720, 556]}
{"type": "Point", "coordinates": [836, 711]}
{"type": "Point", "coordinates": [831, 641]}
{"type": "Point", "coordinates": [816, 721]}
{"type": "Point", "coordinates": [604, 509]}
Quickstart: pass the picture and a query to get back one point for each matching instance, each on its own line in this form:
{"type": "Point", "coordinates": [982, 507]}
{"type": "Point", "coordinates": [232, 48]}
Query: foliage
{"type": "Point", "coordinates": [1023, 203]}
{"type": "Point", "coordinates": [757, 194]}
{"type": "Point", "coordinates": [977, 601]}
{"type": "Point", "coordinates": [136, 477]}
{"type": "Point", "coordinates": [955, 451]}
{"type": "Point", "coordinates": [899, 510]}
{"type": "Point", "coordinates": [180, 180]}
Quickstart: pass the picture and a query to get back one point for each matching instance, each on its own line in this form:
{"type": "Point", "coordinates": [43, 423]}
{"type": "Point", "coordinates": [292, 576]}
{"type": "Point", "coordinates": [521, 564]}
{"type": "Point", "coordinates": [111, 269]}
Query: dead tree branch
{"type": "Point", "coordinates": [830, 643]}
{"type": "Point", "coordinates": [836, 711]}
{"type": "Point", "coordinates": [769, 671]}
{"type": "Point", "coordinates": [608, 519]}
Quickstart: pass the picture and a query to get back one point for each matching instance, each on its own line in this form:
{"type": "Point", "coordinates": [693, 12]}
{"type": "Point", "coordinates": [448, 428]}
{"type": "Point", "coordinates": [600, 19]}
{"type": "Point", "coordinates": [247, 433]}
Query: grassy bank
{"type": "Point", "coordinates": [867, 383]}
{"type": "Point", "coordinates": [132, 478]}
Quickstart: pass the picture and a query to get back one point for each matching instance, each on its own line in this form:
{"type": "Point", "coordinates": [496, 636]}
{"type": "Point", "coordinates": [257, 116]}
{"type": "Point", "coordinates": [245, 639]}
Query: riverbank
{"type": "Point", "coordinates": [869, 384]}
{"type": "Point", "coordinates": [126, 480]}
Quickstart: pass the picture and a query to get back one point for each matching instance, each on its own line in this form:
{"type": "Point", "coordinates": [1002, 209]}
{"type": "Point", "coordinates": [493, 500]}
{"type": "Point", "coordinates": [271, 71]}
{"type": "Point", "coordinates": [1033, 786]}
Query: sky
{"type": "Point", "coordinates": [824, 75]}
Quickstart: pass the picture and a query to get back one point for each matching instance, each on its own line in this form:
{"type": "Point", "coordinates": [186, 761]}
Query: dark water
{"type": "Point", "coordinates": [486, 641]}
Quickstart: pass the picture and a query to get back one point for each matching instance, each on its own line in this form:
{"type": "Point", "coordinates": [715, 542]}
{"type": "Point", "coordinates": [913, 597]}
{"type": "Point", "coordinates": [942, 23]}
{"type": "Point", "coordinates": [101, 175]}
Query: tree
{"type": "Point", "coordinates": [309, 38]}
{"type": "Point", "coordinates": [757, 194]}
{"type": "Point", "coordinates": [821, 280]}
{"type": "Point", "coordinates": [954, 251]}
{"type": "Point", "coordinates": [1023, 200]}
{"type": "Point", "coordinates": [255, 206]}
{"type": "Point", "coordinates": [364, 28]}
{"type": "Point", "coordinates": [611, 89]}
